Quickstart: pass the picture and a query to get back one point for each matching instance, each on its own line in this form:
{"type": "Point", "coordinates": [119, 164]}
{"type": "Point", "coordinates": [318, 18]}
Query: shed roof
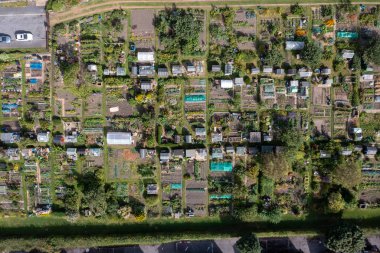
{"type": "Point", "coordinates": [145, 56]}
{"type": "Point", "coordinates": [295, 45]}
{"type": "Point", "coordinates": [226, 84]}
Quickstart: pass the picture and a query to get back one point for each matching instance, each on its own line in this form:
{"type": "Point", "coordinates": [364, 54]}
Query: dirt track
{"type": "Point", "coordinates": [91, 9]}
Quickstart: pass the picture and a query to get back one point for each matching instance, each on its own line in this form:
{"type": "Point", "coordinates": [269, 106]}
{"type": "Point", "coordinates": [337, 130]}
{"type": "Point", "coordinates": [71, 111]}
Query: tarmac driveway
{"type": "Point", "coordinates": [29, 19]}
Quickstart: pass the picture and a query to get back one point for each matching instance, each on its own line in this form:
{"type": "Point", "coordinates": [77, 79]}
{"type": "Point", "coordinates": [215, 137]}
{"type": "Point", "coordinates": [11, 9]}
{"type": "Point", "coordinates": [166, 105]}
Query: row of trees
{"type": "Point", "coordinates": [345, 238]}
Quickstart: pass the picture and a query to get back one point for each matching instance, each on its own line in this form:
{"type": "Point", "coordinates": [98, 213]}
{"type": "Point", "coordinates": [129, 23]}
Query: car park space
{"type": "Point", "coordinates": [23, 20]}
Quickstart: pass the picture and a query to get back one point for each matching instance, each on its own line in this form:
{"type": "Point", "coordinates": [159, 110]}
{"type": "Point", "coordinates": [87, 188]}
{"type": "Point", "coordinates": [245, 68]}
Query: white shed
{"type": "Point", "coordinates": [226, 84]}
{"type": "Point", "coordinates": [145, 56]}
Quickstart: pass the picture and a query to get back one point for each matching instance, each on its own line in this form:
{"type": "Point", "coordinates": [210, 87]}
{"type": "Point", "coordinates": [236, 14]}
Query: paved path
{"type": "Point", "coordinates": [292, 244]}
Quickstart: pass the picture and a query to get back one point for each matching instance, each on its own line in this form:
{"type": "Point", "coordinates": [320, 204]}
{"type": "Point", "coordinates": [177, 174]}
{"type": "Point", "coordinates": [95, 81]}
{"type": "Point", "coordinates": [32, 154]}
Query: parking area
{"type": "Point", "coordinates": [28, 19]}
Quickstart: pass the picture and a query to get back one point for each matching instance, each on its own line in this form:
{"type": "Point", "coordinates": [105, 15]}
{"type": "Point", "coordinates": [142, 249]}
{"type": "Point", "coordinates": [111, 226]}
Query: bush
{"type": "Point", "coordinates": [326, 10]}
{"type": "Point", "coordinates": [296, 9]}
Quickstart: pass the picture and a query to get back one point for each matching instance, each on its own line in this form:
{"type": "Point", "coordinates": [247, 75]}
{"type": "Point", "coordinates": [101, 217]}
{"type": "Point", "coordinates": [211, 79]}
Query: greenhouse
{"type": "Point", "coordinates": [195, 98]}
{"type": "Point", "coordinates": [221, 166]}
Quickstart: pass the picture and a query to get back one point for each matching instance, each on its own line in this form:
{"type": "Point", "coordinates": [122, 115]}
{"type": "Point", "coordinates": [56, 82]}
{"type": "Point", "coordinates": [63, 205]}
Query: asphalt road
{"type": "Point", "coordinates": [29, 19]}
{"type": "Point", "coordinates": [270, 245]}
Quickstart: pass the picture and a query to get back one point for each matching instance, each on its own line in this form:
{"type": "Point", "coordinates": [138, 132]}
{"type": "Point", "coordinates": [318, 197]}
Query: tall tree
{"type": "Point", "coordinates": [347, 173]}
{"type": "Point", "coordinates": [274, 57]}
{"type": "Point", "coordinates": [274, 166]}
{"type": "Point", "coordinates": [312, 54]}
{"type": "Point", "coordinates": [248, 244]}
{"type": "Point", "coordinates": [372, 52]}
{"type": "Point", "coordinates": [345, 238]}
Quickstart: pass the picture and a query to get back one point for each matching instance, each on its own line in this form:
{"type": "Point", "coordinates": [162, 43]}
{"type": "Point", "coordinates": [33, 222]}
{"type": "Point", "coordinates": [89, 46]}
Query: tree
{"type": "Point", "coordinates": [248, 244]}
{"type": "Point", "coordinates": [94, 196]}
{"type": "Point", "coordinates": [179, 29]}
{"type": "Point", "coordinates": [274, 57]}
{"type": "Point", "coordinates": [72, 201]}
{"type": "Point", "coordinates": [288, 134]}
{"type": "Point", "coordinates": [335, 202]}
{"type": "Point", "coordinates": [372, 52]}
{"type": "Point", "coordinates": [345, 238]}
{"type": "Point", "coordinates": [274, 166]}
{"type": "Point", "coordinates": [347, 173]}
{"type": "Point", "coordinates": [326, 10]}
{"type": "Point", "coordinates": [357, 63]}
{"type": "Point", "coordinates": [312, 54]}
{"type": "Point", "coordinates": [296, 9]}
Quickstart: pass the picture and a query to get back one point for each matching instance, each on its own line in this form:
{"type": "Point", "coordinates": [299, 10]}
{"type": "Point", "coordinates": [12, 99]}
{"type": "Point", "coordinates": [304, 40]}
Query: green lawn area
{"type": "Point", "coordinates": [361, 214]}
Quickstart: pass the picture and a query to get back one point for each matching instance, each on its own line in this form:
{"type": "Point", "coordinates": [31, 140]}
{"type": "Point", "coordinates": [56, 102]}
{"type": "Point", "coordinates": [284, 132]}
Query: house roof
{"type": "Point", "coordinates": [255, 137]}
{"type": "Point", "coordinates": [200, 131]}
{"type": "Point", "coordinates": [152, 189]}
{"type": "Point", "coordinates": [190, 68]}
{"type": "Point", "coordinates": [241, 150]}
{"type": "Point", "coordinates": [164, 156]}
{"type": "Point", "coordinates": [92, 68]}
{"type": "Point", "coordinates": [176, 69]}
{"type": "Point", "coordinates": [217, 153]}
{"type": "Point", "coordinates": [10, 137]}
{"type": "Point", "coordinates": [326, 71]}
{"type": "Point", "coordinates": [304, 74]}
{"type": "Point", "coordinates": [216, 137]}
{"type": "Point", "coordinates": [228, 68]}
{"type": "Point", "coordinates": [291, 72]}
{"type": "Point", "coordinates": [370, 150]}
{"type": "Point", "coordinates": [279, 71]}
{"type": "Point", "coordinates": [188, 139]}
{"type": "Point", "coordinates": [146, 85]}
{"type": "Point", "coordinates": [239, 81]}
{"type": "Point", "coordinates": [120, 71]}
{"type": "Point", "coordinates": [255, 71]}
{"type": "Point", "coordinates": [191, 153]}
{"type": "Point", "coordinates": [348, 54]}
{"type": "Point", "coordinates": [143, 153]}
{"type": "Point", "coordinates": [43, 137]}
{"type": "Point", "coordinates": [216, 68]}
{"type": "Point", "coordinates": [162, 72]}
{"type": "Point", "coordinates": [268, 69]}
{"type": "Point", "coordinates": [230, 149]}
{"type": "Point", "coordinates": [178, 152]}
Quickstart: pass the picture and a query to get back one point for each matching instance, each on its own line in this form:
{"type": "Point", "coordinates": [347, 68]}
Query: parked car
{"type": "Point", "coordinates": [24, 36]}
{"type": "Point", "coordinates": [5, 39]}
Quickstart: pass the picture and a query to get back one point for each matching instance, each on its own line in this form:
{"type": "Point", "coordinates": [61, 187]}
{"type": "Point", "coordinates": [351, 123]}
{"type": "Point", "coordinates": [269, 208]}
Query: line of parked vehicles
{"type": "Point", "coordinates": [20, 36]}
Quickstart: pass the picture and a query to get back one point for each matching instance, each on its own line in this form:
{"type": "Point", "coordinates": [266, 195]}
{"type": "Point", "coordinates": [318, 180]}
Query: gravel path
{"type": "Point", "coordinates": [91, 9]}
